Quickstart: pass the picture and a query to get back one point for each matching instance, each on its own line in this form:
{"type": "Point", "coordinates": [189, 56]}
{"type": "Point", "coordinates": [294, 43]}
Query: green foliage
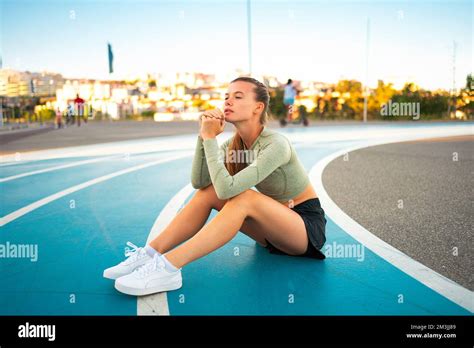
{"type": "Point", "coordinates": [46, 115]}
{"type": "Point", "coordinates": [345, 100]}
{"type": "Point", "coordinates": [277, 108]}
{"type": "Point", "coordinates": [148, 113]}
{"type": "Point", "coordinates": [465, 100]}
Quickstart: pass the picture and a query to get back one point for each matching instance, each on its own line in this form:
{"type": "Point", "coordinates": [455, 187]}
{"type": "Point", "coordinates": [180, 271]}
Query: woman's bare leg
{"type": "Point", "coordinates": [280, 225]}
{"type": "Point", "coordinates": [289, 113]}
{"type": "Point", "coordinates": [189, 220]}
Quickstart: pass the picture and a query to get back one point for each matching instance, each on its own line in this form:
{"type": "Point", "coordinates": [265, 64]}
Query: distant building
{"type": "Point", "coordinates": [17, 83]}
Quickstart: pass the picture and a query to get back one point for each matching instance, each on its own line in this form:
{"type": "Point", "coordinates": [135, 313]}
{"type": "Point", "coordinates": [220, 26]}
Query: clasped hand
{"type": "Point", "coordinates": [211, 123]}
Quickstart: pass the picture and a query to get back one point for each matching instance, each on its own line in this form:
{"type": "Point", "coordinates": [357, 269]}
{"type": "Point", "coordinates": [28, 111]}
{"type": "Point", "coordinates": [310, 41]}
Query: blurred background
{"type": "Point", "coordinates": [160, 61]}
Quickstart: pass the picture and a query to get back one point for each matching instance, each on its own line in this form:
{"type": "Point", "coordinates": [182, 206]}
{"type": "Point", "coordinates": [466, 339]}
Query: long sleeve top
{"type": "Point", "coordinates": [274, 170]}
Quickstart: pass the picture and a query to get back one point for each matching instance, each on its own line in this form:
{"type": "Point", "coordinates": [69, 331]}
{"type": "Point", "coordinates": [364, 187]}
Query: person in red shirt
{"type": "Point", "coordinates": [79, 107]}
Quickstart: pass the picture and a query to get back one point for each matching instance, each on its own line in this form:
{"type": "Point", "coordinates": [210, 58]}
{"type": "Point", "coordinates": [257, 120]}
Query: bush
{"type": "Point", "coordinates": [148, 113]}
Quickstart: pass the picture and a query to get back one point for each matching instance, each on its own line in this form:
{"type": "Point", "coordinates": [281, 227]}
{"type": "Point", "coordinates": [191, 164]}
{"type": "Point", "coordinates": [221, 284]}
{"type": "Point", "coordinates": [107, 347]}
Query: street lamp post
{"type": "Point", "coordinates": [249, 32]}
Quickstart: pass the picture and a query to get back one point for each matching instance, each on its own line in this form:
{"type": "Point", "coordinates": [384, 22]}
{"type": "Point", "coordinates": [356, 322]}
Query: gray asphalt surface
{"type": "Point", "coordinates": [95, 132]}
{"type": "Point", "coordinates": [89, 133]}
{"type": "Point", "coordinates": [437, 194]}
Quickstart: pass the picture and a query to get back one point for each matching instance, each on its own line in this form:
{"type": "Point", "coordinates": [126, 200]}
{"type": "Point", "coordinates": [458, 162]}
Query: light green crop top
{"type": "Point", "coordinates": [274, 168]}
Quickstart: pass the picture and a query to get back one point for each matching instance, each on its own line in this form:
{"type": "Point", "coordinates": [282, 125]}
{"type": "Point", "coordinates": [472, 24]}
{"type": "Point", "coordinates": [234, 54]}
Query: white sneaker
{"type": "Point", "coordinates": [149, 279]}
{"type": "Point", "coordinates": [136, 257]}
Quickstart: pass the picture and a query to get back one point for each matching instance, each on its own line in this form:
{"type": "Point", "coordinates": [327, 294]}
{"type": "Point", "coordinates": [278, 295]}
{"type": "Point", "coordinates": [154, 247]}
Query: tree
{"type": "Point", "coordinates": [381, 95]}
{"type": "Point", "coordinates": [466, 97]}
{"type": "Point", "coordinates": [350, 95]}
{"type": "Point", "coordinates": [277, 107]}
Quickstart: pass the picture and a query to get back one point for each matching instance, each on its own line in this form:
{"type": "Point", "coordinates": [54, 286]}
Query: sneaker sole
{"type": "Point", "coordinates": [142, 292]}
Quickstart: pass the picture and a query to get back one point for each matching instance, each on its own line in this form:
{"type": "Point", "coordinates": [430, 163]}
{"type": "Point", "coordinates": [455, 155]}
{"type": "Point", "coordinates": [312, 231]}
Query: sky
{"type": "Point", "coordinates": [303, 40]}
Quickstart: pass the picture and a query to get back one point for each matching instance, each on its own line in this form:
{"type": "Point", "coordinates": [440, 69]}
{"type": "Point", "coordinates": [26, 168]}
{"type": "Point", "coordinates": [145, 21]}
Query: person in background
{"type": "Point", "coordinates": [289, 99]}
{"type": "Point", "coordinates": [79, 107]}
{"type": "Point", "coordinates": [59, 119]}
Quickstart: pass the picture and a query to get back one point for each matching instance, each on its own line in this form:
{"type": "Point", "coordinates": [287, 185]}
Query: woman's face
{"type": "Point", "coordinates": [240, 103]}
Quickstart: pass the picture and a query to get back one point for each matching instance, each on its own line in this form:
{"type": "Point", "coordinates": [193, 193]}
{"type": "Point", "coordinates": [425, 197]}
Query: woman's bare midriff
{"type": "Point", "coordinates": [308, 193]}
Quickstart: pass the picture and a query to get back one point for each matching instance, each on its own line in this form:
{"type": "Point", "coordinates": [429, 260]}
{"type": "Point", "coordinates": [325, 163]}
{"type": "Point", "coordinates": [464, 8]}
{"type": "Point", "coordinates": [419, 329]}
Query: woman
{"type": "Point", "coordinates": [289, 95]}
{"type": "Point", "coordinates": [285, 216]}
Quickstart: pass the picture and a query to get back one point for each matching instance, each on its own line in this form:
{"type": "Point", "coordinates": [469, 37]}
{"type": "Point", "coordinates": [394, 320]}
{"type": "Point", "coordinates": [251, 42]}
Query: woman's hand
{"type": "Point", "coordinates": [212, 123]}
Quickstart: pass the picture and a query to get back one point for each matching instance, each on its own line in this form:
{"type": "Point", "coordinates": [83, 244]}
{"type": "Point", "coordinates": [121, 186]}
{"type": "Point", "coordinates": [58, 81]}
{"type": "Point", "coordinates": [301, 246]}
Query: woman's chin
{"type": "Point", "coordinates": [229, 119]}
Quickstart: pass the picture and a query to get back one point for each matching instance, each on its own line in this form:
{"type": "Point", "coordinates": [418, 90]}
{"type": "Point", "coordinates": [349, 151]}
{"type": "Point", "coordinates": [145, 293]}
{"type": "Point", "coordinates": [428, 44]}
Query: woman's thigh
{"type": "Point", "coordinates": [273, 221]}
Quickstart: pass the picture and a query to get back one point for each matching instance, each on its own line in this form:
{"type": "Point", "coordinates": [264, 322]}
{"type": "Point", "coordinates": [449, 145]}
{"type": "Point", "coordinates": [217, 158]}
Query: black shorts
{"type": "Point", "coordinates": [315, 223]}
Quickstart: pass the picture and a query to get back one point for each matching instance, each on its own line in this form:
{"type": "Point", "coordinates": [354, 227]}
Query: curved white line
{"type": "Point", "coordinates": [69, 165]}
{"type": "Point", "coordinates": [35, 205]}
{"type": "Point", "coordinates": [157, 304]}
{"type": "Point", "coordinates": [435, 281]}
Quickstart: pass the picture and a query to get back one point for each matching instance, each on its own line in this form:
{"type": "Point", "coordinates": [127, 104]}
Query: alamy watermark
{"type": "Point", "coordinates": [401, 109]}
{"type": "Point", "coordinates": [239, 156]}
{"type": "Point", "coordinates": [345, 251]}
{"type": "Point", "coordinates": [19, 251]}
{"type": "Point", "coordinates": [37, 331]}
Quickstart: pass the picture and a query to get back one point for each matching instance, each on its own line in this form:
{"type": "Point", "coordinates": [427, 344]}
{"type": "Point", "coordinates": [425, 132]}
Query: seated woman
{"type": "Point", "coordinates": [284, 216]}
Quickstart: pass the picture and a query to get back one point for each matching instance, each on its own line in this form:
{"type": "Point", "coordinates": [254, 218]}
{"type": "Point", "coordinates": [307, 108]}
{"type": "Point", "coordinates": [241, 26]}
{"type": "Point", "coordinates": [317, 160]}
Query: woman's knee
{"type": "Point", "coordinates": [244, 199]}
{"type": "Point", "coordinates": [208, 195]}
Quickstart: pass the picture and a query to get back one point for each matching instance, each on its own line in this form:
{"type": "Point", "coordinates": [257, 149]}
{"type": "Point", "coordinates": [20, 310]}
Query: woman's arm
{"type": "Point", "coordinates": [269, 158]}
{"type": "Point", "coordinates": [212, 122]}
{"type": "Point", "coordinates": [200, 173]}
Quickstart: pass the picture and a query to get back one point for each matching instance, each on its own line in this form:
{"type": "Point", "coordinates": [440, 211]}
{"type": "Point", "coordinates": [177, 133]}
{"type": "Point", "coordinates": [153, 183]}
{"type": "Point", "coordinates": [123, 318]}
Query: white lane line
{"type": "Point", "coordinates": [7, 164]}
{"type": "Point", "coordinates": [185, 142]}
{"type": "Point", "coordinates": [69, 165]}
{"type": "Point", "coordinates": [435, 281]}
{"type": "Point", "coordinates": [157, 304]}
{"type": "Point", "coordinates": [35, 205]}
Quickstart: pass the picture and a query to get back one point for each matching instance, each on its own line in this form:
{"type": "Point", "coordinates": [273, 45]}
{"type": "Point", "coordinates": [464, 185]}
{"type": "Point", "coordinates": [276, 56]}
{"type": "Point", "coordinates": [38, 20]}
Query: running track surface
{"type": "Point", "coordinates": [80, 206]}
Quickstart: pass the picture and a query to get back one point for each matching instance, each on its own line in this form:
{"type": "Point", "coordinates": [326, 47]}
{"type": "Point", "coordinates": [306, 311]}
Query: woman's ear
{"type": "Point", "coordinates": [260, 107]}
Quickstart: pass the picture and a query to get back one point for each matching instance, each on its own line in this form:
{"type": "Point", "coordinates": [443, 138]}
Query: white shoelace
{"type": "Point", "coordinates": [134, 253]}
{"type": "Point", "coordinates": [150, 266]}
